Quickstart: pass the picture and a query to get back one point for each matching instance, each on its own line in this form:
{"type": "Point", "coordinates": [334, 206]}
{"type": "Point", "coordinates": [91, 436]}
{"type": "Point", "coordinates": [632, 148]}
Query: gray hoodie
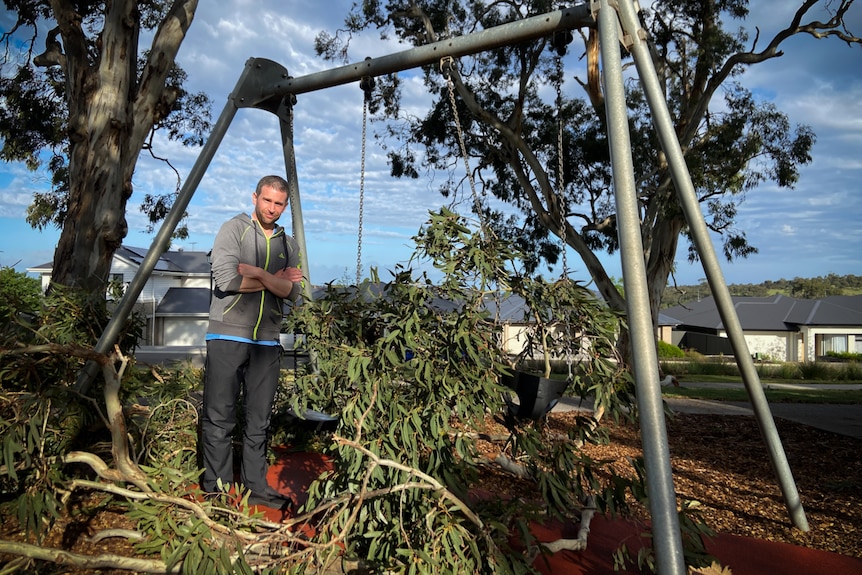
{"type": "Point", "coordinates": [257, 315]}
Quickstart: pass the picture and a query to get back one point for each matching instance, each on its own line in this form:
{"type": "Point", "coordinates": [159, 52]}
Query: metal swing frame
{"type": "Point", "coordinates": [267, 86]}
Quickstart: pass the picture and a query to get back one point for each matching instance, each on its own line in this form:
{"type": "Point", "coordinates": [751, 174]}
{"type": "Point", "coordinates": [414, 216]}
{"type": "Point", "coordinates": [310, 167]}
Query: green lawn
{"type": "Point", "coordinates": [851, 396]}
{"type": "Point", "coordinates": [716, 378]}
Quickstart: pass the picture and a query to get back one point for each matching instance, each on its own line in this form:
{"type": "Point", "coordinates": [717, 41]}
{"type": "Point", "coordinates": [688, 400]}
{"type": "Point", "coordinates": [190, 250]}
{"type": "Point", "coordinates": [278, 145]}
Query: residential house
{"type": "Point", "coordinates": [776, 327]}
{"type": "Point", "coordinates": [175, 298]}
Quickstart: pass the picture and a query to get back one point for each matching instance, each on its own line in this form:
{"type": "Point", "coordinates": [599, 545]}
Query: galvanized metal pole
{"type": "Point", "coordinates": [286, 122]}
{"type": "Point", "coordinates": [576, 16]}
{"type": "Point", "coordinates": [700, 235]}
{"type": "Point", "coordinates": [667, 540]}
{"type": "Point", "coordinates": [285, 116]}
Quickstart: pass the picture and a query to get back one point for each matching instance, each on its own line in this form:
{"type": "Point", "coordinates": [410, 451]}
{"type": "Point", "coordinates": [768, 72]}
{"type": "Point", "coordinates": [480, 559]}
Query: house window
{"type": "Point", "coordinates": [835, 343]}
{"type": "Point", "coordinates": [859, 344]}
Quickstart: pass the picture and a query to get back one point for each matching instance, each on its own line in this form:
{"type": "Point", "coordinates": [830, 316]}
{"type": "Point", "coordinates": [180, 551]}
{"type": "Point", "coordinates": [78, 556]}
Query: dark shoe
{"type": "Point", "coordinates": [272, 500]}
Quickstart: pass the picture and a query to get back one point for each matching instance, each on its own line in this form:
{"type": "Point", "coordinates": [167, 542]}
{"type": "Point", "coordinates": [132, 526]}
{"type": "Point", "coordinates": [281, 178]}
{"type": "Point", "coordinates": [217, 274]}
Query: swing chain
{"type": "Point", "coordinates": [367, 85]}
{"type": "Point", "coordinates": [560, 173]}
{"type": "Point", "coordinates": [559, 43]}
{"type": "Point", "coordinates": [447, 67]}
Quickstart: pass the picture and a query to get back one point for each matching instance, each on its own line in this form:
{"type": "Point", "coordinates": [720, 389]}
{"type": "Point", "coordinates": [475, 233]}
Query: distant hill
{"type": "Point", "coordinates": [807, 288]}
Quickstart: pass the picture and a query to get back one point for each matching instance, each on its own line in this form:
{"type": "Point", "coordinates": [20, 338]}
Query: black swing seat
{"type": "Point", "coordinates": [536, 395]}
{"type": "Point", "coordinates": [312, 420]}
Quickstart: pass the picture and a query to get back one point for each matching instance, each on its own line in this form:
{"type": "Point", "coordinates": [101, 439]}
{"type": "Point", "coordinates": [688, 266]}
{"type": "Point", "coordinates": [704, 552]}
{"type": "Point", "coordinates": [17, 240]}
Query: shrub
{"type": "Point", "coordinates": [851, 372]}
{"type": "Point", "coordinates": [666, 349]}
{"type": "Point", "coordinates": [816, 370]}
{"type": "Point", "coordinates": [42, 416]}
{"type": "Point", "coordinates": [844, 355]}
{"type": "Point", "coordinates": [785, 370]}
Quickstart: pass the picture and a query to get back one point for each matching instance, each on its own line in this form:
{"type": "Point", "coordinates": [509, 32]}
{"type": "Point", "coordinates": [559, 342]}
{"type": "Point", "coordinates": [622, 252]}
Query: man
{"type": "Point", "coordinates": [255, 266]}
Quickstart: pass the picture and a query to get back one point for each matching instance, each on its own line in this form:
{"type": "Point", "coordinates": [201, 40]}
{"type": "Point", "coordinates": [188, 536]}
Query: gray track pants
{"type": "Point", "coordinates": [231, 367]}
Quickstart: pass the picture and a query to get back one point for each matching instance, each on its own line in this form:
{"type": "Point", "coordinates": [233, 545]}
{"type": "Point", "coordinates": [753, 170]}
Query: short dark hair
{"type": "Point", "coordinates": [276, 182]}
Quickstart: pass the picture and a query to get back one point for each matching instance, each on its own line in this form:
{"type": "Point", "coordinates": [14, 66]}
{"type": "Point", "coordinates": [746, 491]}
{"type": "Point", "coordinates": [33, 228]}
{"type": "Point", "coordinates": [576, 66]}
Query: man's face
{"type": "Point", "coordinates": [269, 205]}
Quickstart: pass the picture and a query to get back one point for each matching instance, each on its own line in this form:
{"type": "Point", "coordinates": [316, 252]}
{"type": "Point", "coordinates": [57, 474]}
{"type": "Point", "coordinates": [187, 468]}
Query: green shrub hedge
{"type": "Point", "coordinates": [666, 349]}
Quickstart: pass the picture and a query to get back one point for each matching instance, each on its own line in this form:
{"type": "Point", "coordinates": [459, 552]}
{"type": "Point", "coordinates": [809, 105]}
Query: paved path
{"type": "Point", "coordinates": [837, 418]}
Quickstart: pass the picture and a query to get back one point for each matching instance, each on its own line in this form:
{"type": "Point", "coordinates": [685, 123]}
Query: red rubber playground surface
{"type": "Point", "coordinates": [294, 471]}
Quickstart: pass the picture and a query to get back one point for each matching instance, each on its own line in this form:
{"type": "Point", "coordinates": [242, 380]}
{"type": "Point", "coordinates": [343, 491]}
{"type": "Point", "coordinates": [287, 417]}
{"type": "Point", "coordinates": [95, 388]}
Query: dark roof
{"type": "Point", "coordinates": [512, 307]}
{"type": "Point", "coordinates": [851, 302]}
{"type": "Point", "coordinates": [834, 310]}
{"type": "Point", "coordinates": [368, 291]}
{"type": "Point", "coordinates": [185, 302]}
{"type": "Point", "coordinates": [664, 319]}
{"type": "Point", "coordinates": [772, 313]}
{"type": "Point", "coordinates": [180, 261]}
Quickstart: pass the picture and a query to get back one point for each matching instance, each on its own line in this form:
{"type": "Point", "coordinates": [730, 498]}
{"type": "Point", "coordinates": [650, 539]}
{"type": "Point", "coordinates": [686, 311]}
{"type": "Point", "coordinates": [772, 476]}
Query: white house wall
{"type": "Point", "coordinates": [776, 346]}
{"type": "Point", "coordinates": [195, 282]}
{"type": "Point", "coordinates": [158, 285]}
{"type": "Point", "coordinates": [792, 346]}
{"type": "Point", "coordinates": [515, 338]}
{"type": "Point", "coordinates": [183, 331]}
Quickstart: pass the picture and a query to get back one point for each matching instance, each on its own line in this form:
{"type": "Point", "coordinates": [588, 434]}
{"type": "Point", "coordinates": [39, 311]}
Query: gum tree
{"type": "Point", "coordinates": [85, 107]}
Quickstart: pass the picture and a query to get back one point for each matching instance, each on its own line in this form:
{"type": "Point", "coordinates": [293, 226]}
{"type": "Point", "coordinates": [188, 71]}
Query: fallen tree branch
{"type": "Point", "coordinates": [511, 466]}
{"type": "Point", "coordinates": [580, 542]}
{"type": "Point", "coordinates": [104, 561]}
{"type": "Point", "coordinates": [196, 509]}
{"type": "Point", "coordinates": [430, 481]}
{"type": "Point", "coordinates": [113, 375]}
{"type": "Point", "coordinates": [110, 533]}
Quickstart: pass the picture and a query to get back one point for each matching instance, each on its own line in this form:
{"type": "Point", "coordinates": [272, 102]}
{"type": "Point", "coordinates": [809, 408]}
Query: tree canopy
{"type": "Point", "coordinates": [84, 108]}
{"type": "Point", "coordinates": [510, 112]}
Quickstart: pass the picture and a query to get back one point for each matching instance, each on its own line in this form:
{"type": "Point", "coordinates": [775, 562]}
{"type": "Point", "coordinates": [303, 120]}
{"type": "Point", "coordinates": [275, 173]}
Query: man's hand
{"type": "Point", "coordinates": [250, 271]}
{"type": "Point", "coordinates": [280, 283]}
{"type": "Point", "coordinates": [292, 274]}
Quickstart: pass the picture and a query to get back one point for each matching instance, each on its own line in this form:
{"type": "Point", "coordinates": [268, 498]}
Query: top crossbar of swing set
{"type": "Point", "coordinates": [269, 89]}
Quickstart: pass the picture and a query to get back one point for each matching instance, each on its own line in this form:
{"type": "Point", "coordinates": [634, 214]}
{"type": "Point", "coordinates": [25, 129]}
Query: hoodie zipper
{"type": "Point", "coordinates": [265, 266]}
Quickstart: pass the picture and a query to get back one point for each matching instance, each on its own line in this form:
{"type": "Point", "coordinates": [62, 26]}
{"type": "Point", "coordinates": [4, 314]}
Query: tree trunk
{"type": "Point", "coordinates": [96, 224]}
{"type": "Point", "coordinates": [111, 112]}
{"type": "Point", "coordinates": [660, 261]}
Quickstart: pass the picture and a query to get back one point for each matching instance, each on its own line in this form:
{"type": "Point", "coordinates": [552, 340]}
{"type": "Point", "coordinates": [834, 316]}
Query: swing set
{"type": "Point", "coordinates": [267, 85]}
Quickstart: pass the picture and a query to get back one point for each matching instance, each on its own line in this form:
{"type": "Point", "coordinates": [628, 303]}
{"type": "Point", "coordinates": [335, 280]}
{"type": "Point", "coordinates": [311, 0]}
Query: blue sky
{"type": "Point", "coordinates": [809, 231]}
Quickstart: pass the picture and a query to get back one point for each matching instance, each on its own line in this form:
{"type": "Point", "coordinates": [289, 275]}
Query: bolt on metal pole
{"type": "Point", "coordinates": [700, 235]}
{"type": "Point", "coordinates": [667, 540]}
